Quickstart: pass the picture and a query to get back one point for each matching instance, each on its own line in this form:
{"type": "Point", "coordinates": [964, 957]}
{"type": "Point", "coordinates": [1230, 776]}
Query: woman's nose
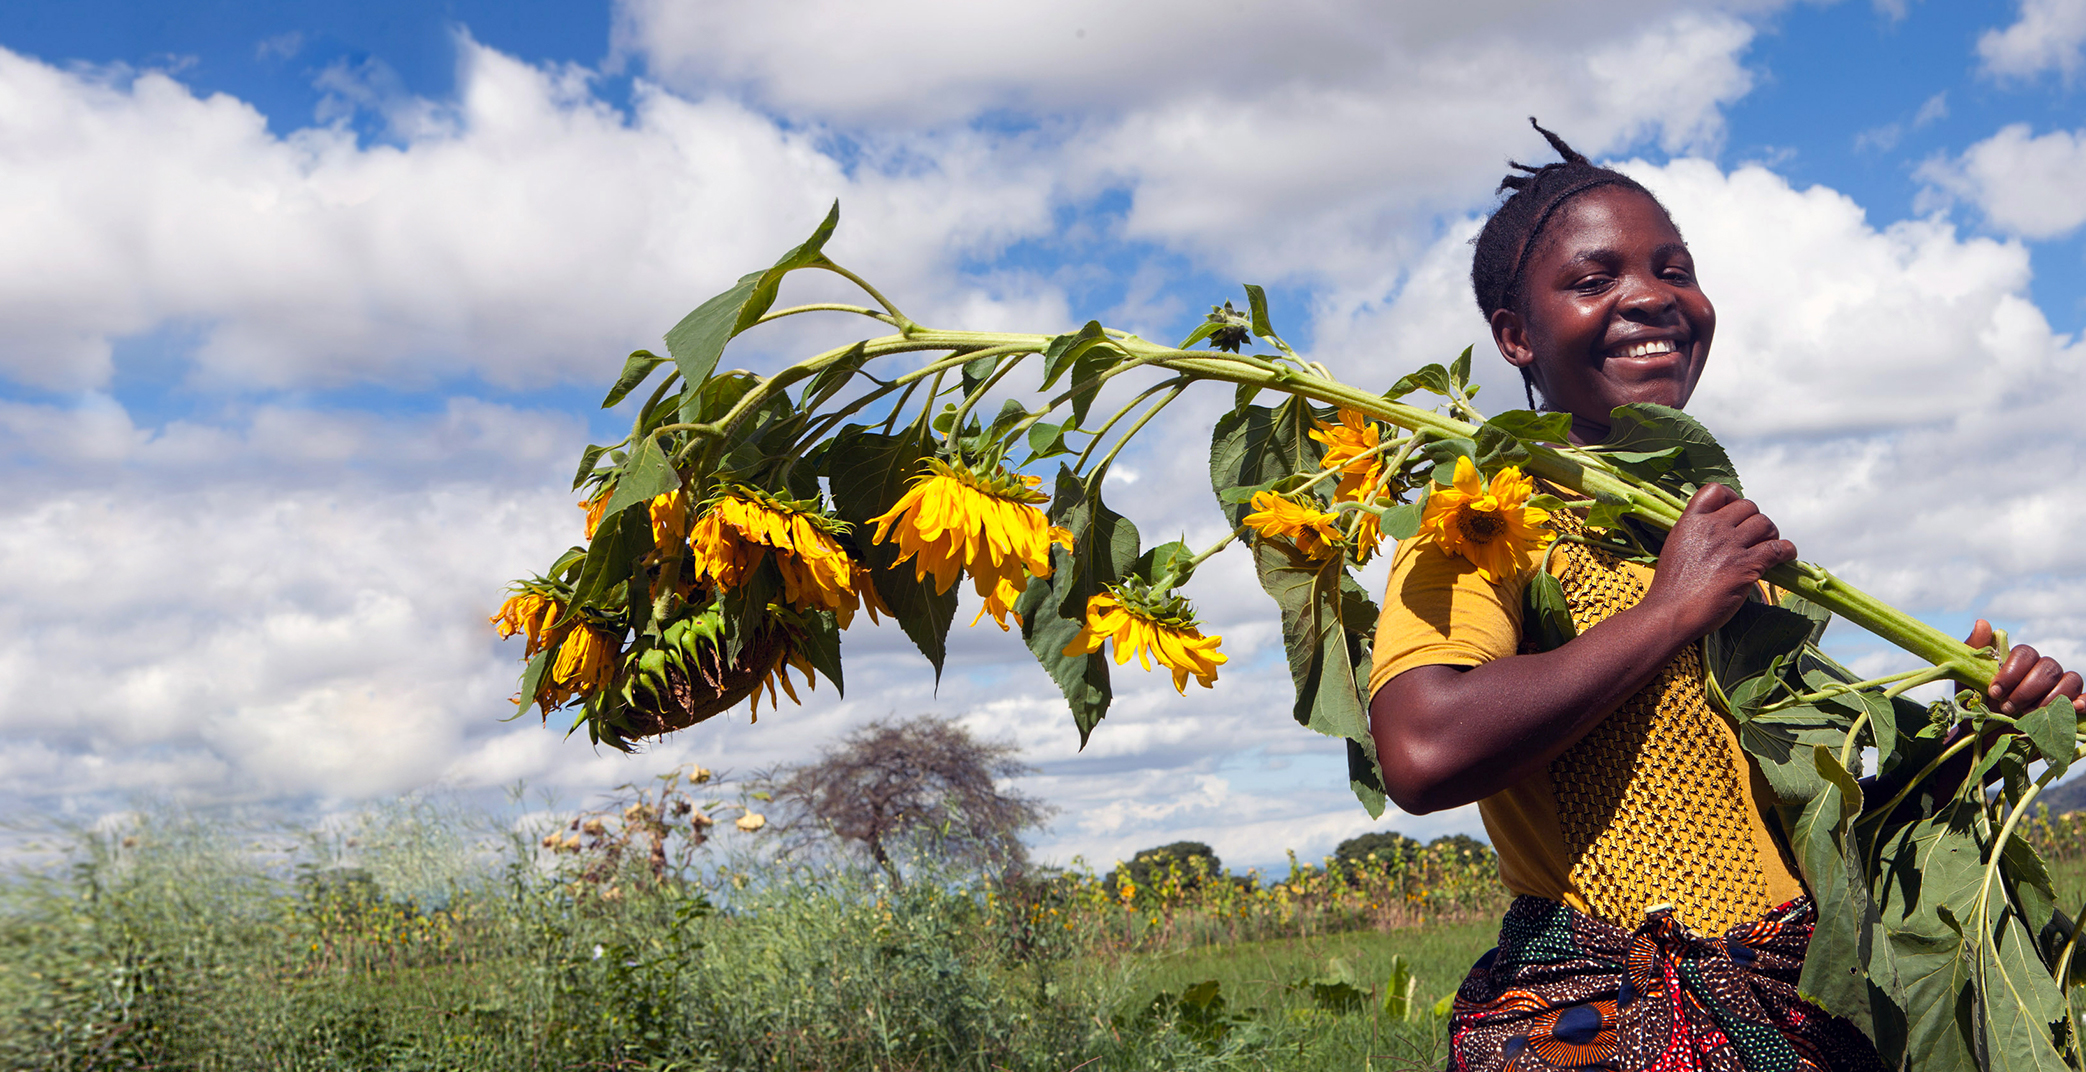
{"type": "Point", "coordinates": [1645, 299]}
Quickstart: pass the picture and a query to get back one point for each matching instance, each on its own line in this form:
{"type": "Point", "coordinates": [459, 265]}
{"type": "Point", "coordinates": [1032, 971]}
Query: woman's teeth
{"type": "Point", "coordinates": [1645, 349]}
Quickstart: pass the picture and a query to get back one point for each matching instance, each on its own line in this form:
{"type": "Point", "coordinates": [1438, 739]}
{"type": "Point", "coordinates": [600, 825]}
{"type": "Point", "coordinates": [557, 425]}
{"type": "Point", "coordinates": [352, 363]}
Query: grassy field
{"type": "Point", "coordinates": [408, 942]}
{"type": "Point", "coordinates": [179, 943]}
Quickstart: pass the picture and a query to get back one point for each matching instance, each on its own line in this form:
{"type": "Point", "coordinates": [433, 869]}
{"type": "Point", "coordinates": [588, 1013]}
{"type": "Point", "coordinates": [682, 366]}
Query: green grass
{"type": "Point", "coordinates": [1263, 973]}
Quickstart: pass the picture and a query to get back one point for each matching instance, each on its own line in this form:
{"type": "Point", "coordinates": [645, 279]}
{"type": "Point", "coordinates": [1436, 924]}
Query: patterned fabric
{"type": "Point", "coordinates": [1567, 991]}
{"type": "Point", "coordinates": [1652, 802]}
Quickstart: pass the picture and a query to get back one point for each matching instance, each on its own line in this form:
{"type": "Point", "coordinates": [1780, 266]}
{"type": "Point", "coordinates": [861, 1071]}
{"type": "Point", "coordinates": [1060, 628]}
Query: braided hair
{"type": "Point", "coordinates": [1510, 236]}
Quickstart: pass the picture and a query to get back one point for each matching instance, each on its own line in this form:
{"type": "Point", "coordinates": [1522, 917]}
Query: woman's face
{"type": "Point", "coordinates": [1611, 313]}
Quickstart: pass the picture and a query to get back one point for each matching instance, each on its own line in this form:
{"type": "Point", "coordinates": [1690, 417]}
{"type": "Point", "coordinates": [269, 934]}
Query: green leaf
{"type": "Point", "coordinates": [1851, 961]}
{"type": "Point", "coordinates": [1365, 776]}
{"type": "Point", "coordinates": [532, 679]}
{"type": "Point", "coordinates": [1459, 369]}
{"type": "Point", "coordinates": [2052, 729]}
{"type": "Point", "coordinates": [1755, 638]}
{"type": "Point", "coordinates": [2017, 1000]}
{"type": "Point", "coordinates": [1255, 447]}
{"type": "Point", "coordinates": [1444, 452]}
{"type": "Point", "coordinates": [1430, 377]}
{"type": "Point", "coordinates": [1062, 351]}
{"type": "Point", "coordinates": [1398, 1003]}
{"type": "Point", "coordinates": [621, 538]}
{"type": "Point", "coordinates": [976, 371]}
{"type": "Point", "coordinates": [1529, 426]}
{"type": "Point", "coordinates": [1053, 609]}
{"type": "Point", "coordinates": [1257, 300]}
{"type": "Point", "coordinates": [636, 367]}
{"type": "Point", "coordinates": [1402, 522]}
{"type": "Point", "coordinates": [1926, 867]}
{"type": "Point", "coordinates": [868, 473]}
{"type": "Point", "coordinates": [1167, 559]}
{"type": "Point", "coordinates": [698, 340]}
{"type": "Point", "coordinates": [587, 460]}
{"type": "Point", "coordinates": [1548, 615]}
{"type": "Point", "coordinates": [820, 643]}
{"type": "Point", "coordinates": [1086, 353]}
{"type": "Point", "coordinates": [1046, 440]}
{"type": "Point", "coordinates": [1202, 331]}
{"type": "Point", "coordinates": [1326, 620]}
{"type": "Point", "coordinates": [1781, 744]}
{"type": "Point", "coordinates": [646, 474]}
{"type": "Point", "coordinates": [1647, 429]}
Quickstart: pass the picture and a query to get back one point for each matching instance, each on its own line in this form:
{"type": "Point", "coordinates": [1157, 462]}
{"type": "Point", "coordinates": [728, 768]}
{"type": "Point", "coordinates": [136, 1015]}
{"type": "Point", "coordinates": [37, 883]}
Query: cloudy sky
{"type": "Point", "coordinates": [305, 308]}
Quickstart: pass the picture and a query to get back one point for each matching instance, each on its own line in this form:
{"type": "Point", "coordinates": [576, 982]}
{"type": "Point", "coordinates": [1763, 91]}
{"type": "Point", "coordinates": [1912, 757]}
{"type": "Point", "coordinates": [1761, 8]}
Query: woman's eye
{"type": "Point", "coordinates": [1592, 284]}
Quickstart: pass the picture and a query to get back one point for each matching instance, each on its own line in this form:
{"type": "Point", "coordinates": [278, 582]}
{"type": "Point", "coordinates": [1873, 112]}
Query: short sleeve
{"type": "Point", "coordinates": [1438, 610]}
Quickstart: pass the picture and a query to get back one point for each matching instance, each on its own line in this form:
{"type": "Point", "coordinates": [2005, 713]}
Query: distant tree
{"type": "Point", "coordinates": [1389, 847]}
{"type": "Point", "coordinates": [1148, 863]}
{"type": "Point", "coordinates": [923, 783]}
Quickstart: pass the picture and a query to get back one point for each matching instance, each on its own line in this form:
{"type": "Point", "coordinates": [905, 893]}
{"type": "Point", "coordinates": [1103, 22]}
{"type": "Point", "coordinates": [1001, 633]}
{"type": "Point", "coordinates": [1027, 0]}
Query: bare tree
{"type": "Point", "coordinates": [923, 782]}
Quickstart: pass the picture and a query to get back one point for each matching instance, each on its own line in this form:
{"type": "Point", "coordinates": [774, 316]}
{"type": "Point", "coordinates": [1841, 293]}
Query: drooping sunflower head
{"type": "Point", "coordinates": [955, 520]}
{"type": "Point", "coordinates": [741, 526]}
{"type": "Point", "coordinates": [531, 612]}
{"type": "Point", "coordinates": [669, 514]}
{"type": "Point", "coordinates": [596, 507]}
{"type": "Point", "coordinates": [1349, 446]}
{"type": "Point", "coordinates": [1488, 523]}
{"type": "Point", "coordinates": [1313, 531]}
{"type": "Point", "coordinates": [586, 663]}
{"type": "Point", "coordinates": [1150, 625]}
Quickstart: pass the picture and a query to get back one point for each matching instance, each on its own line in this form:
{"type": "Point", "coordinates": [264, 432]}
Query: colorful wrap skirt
{"type": "Point", "coordinates": [1567, 991]}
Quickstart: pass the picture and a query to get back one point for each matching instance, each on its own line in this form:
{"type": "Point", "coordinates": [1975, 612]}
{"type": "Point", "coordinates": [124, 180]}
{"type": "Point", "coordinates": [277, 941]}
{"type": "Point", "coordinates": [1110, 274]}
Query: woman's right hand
{"type": "Point", "coordinates": [1715, 555]}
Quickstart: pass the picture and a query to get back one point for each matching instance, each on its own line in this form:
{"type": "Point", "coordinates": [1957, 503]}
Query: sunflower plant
{"type": "Point", "coordinates": [746, 521]}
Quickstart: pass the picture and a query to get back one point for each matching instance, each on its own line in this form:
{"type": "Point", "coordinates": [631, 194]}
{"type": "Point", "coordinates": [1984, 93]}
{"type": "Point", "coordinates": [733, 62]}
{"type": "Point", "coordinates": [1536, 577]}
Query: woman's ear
{"type": "Point", "coordinates": [1510, 334]}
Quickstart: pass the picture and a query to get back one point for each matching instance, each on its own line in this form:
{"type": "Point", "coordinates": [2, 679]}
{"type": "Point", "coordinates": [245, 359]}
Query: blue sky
{"type": "Point", "coordinates": [311, 304]}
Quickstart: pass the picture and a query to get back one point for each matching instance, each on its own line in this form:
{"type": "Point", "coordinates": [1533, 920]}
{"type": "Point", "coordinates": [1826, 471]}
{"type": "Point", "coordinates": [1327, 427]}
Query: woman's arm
{"type": "Point", "coordinates": [1447, 736]}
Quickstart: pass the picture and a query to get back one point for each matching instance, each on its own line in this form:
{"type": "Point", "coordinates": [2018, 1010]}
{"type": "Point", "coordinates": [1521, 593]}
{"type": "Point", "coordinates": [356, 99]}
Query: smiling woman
{"type": "Point", "coordinates": [1663, 917]}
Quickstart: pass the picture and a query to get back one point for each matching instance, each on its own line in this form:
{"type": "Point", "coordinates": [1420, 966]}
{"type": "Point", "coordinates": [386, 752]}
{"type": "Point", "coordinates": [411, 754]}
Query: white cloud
{"type": "Point", "coordinates": [2025, 184]}
{"type": "Point", "coordinates": [525, 233]}
{"type": "Point", "coordinates": [2047, 36]}
{"type": "Point", "coordinates": [1315, 143]}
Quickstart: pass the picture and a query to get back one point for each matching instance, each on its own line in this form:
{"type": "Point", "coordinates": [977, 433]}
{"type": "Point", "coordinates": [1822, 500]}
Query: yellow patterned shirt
{"type": "Point", "coordinates": [1656, 805]}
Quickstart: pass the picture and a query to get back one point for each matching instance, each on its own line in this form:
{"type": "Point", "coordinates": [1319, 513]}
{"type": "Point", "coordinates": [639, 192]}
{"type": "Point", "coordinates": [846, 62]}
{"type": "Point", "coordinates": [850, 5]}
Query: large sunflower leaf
{"type": "Point", "coordinates": [1653, 441]}
{"type": "Point", "coordinates": [1255, 446]}
{"type": "Point", "coordinates": [698, 340]}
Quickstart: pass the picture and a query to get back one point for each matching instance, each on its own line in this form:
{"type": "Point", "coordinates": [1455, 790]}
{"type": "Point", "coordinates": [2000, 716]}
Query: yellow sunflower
{"type": "Point", "coordinates": [1491, 525]}
{"type": "Point", "coordinates": [1346, 444]}
{"type": "Point", "coordinates": [1368, 534]}
{"type": "Point", "coordinates": [1178, 645]}
{"type": "Point", "coordinates": [785, 658]}
{"type": "Point", "coordinates": [529, 613]}
{"type": "Point", "coordinates": [585, 665]}
{"type": "Point", "coordinates": [595, 507]}
{"type": "Point", "coordinates": [669, 513]}
{"type": "Point", "coordinates": [1312, 530]}
{"type": "Point", "coordinates": [741, 527]}
{"type": "Point", "coordinates": [953, 521]}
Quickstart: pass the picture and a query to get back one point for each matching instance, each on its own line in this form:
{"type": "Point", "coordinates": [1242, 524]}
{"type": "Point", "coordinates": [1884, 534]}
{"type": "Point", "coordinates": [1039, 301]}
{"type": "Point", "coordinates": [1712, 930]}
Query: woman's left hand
{"type": "Point", "coordinates": [2026, 680]}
